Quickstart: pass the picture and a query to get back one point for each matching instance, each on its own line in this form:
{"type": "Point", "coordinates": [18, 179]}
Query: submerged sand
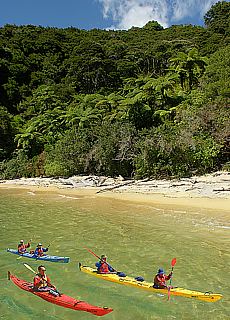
{"type": "Point", "coordinates": [208, 191]}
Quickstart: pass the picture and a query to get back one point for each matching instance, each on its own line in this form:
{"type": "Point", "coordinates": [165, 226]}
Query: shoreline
{"type": "Point", "coordinates": [211, 191]}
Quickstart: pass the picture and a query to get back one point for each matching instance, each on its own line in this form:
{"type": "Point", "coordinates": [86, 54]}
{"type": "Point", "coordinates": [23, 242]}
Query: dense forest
{"type": "Point", "coordinates": [146, 102]}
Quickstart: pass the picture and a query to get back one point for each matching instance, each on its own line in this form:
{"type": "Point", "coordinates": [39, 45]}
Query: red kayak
{"type": "Point", "coordinates": [63, 300]}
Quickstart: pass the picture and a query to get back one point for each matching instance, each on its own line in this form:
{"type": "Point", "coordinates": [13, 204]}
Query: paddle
{"type": "Point", "coordinates": [173, 262]}
{"type": "Point", "coordinates": [50, 243]}
{"type": "Point", "coordinates": [29, 268]}
{"type": "Point", "coordinates": [99, 257]}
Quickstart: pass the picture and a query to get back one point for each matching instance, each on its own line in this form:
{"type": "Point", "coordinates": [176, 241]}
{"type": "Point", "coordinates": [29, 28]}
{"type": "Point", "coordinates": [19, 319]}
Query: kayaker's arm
{"type": "Point", "coordinates": [50, 284]}
{"type": "Point", "coordinates": [169, 276]}
{"type": "Point", "coordinates": [28, 244]}
{"type": "Point", "coordinates": [111, 269]}
{"type": "Point", "coordinates": [37, 282]}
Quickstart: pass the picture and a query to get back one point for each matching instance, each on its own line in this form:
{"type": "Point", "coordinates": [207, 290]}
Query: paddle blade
{"type": "Point", "coordinates": [29, 268]}
{"type": "Point", "coordinates": [173, 262]}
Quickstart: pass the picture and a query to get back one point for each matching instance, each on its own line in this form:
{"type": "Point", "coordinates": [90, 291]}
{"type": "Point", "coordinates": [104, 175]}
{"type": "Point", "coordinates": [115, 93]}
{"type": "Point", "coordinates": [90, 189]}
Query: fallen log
{"type": "Point", "coordinates": [116, 187]}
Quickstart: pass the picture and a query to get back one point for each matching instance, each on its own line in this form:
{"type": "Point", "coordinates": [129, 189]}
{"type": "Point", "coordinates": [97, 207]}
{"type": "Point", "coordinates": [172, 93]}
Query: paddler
{"type": "Point", "coordinates": [42, 282]}
{"type": "Point", "coordinates": [22, 246]}
{"type": "Point", "coordinates": [160, 279]}
{"type": "Point", "coordinates": [39, 251]}
{"type": "Point", "coordinates": [103, 266]}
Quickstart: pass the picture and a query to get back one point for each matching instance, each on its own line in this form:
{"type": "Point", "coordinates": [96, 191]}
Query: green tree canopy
{"type": "Point", "coordinates": [217, 18]}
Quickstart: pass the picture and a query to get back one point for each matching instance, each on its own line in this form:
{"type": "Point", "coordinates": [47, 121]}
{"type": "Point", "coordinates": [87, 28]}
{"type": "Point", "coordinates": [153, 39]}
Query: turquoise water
{"type": "Point", "coordinates": [137, 238]}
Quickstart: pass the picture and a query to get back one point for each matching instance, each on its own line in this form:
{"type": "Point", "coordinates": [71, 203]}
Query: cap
{"type": "Point", "coordinates": [160, 271]}
{"type": "Point", "coordinates": [39, 244]}
{"type": "Point", "coordinates": [21, 241]}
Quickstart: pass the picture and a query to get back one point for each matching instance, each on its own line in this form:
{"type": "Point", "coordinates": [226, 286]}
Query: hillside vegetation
{"type": "Point", "coordinates": [147, 102]}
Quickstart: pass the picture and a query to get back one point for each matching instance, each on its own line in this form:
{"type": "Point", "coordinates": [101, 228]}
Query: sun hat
{"type": "Point", "coordinates": [160, 271]}
{"type": "Point", "coordinates": [39, 244]}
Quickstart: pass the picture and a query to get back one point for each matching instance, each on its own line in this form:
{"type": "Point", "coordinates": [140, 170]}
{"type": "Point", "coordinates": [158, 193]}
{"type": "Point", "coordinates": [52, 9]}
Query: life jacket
{"type": "Point", "coordinates": [43, 280]}
{"type": "Point", "coordinates": [39, 251]}
{"type": "Point", "coordinates": [22, 248]}
{"type": "Point", "coordinates": [160, 282]}
{"type": "Point", "coordinates": [104, 268]}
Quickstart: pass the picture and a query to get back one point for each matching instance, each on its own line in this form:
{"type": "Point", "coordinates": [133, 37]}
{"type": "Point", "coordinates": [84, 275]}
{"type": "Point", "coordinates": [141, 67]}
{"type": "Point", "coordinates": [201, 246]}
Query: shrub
{"type": "Point", "coordinates": [17, 167]}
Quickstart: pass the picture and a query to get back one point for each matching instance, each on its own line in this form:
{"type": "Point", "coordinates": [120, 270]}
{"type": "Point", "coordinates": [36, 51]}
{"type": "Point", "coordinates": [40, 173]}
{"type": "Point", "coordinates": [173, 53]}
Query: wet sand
{"type": "Point", "coordinates": [210, 191]}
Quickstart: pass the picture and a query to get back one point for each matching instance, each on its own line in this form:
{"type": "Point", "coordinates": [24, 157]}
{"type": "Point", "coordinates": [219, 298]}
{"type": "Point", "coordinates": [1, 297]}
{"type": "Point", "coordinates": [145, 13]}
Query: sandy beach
{"type": "Point", "coordinates": [209, 191]}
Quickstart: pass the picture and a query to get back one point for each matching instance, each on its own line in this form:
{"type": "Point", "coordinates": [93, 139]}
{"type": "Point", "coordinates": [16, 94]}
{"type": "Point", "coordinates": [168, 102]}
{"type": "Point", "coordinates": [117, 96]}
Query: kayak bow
{"type": "Point", "coordinates": [130, 281]}
{"type": "Point", "coordinates": [63, 300]}
{"type": "Point", "coordinates": [45, 257]}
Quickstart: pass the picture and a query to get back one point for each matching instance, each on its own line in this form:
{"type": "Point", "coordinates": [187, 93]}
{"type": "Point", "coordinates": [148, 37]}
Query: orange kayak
{"type": "Point", "coordinates": [63, 301]}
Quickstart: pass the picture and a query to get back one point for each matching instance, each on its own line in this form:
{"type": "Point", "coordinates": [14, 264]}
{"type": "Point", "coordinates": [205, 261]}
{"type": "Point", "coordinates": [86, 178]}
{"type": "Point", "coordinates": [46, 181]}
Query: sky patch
{"type": "Point", "coordinates": [128, 13]}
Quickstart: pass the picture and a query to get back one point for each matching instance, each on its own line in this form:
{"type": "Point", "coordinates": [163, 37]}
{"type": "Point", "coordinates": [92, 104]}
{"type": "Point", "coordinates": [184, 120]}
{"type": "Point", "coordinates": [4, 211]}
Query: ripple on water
{"type": "Point", "coordinates": [137, 240]}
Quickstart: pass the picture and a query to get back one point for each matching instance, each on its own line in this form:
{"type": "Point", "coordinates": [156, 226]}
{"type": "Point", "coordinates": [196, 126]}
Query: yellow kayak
{"type": "Point", "coordinates": [129, 281]}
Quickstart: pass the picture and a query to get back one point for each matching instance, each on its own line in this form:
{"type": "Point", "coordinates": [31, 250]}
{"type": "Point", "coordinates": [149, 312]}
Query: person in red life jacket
{"type": "Point", "coordinates": [42, 282]}
{"type": "Point", "coordinates": [39, 251]}
{"type": "Point", "coordinates": [103, 266]}
{"type": "Point", "coordinates": [22, 246]}
{"type": "Point", "coordinates": [160, 279]}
